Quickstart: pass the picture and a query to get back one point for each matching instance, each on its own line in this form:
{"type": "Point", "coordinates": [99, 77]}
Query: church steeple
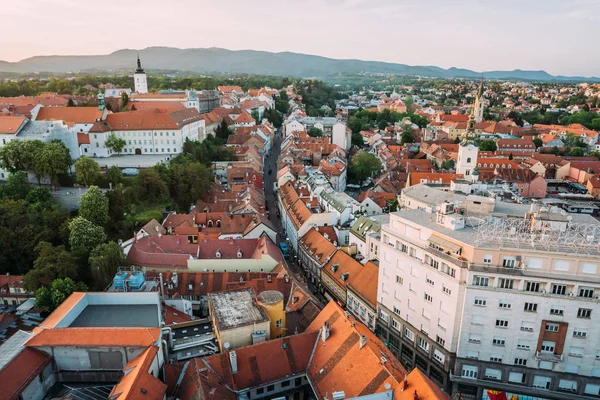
{"type": "Point", "coordinates": [478, 109]}
{"type": "Point", "coordinates": [139, 69]}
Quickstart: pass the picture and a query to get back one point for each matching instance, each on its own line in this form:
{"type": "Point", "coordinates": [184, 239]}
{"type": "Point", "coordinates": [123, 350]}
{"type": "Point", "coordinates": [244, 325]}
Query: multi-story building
{"type": "Point", "coordinates": [501, 299]}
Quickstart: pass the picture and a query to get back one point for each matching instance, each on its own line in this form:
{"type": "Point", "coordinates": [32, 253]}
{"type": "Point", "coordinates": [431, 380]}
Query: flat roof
{"type": "Point", "coordinates": [236, 308]}
{"type": "Point", "coordinates": [122, 316]}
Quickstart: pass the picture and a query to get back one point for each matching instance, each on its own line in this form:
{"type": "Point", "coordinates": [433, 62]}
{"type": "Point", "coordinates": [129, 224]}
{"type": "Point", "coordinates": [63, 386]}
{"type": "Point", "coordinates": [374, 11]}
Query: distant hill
{"type": "Point", "coordinates": [213, 60]}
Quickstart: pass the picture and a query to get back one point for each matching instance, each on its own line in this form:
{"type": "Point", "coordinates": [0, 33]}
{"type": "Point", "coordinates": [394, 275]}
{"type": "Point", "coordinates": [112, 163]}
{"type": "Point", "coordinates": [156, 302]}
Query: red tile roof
{"type": "Point", "coordinates": [137, 382]}
{"type": "Point", "coordinates": [150, 120]}
{"type": "Point", "coordinates": [10, 124]}
{"type": "Point", "coordinates": [21, 371]}
{"type": "Point", "coordinates": [70, 115]}
{"type": "Point", "coordinates": [365, 283]}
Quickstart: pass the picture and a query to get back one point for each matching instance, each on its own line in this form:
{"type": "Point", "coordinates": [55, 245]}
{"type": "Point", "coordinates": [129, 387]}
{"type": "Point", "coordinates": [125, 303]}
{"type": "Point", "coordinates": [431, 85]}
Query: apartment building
{"type": "Point", "coordinates": [504, 299]}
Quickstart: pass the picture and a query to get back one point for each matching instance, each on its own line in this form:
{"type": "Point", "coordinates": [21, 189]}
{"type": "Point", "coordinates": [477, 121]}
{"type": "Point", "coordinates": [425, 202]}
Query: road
{"type": "Point", "coordinates": [271, 200]}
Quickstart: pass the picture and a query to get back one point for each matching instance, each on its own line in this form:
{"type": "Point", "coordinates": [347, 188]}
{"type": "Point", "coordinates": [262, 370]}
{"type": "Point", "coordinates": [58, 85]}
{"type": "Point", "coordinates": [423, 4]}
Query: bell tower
{"type": "Point", "coordinates": [478, 110]}
{"type": "Point", "coordinates": [468, 152]}
{"type": "Point", "coordinates": [139, 78]}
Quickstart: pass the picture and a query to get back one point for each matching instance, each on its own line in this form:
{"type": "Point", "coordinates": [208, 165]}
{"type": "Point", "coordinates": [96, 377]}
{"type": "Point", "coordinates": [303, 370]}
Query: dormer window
{"type": "Point", "coordinates": [239, 254]}
{"type": "Point", "coordinates": [218, 223]}
{"type": "Point", "coordinates": [209, 224]}
{"type": "Point", "coordinates": [218, 254]}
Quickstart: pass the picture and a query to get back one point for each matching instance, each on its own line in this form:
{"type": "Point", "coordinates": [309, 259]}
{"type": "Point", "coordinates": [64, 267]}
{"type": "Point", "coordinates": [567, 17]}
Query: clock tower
{"type": "Point", "coordinates": [139, 78]}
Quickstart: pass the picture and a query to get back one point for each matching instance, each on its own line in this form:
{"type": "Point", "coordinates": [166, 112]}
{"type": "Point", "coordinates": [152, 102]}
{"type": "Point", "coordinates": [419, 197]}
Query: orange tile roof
{"type": "Point", "coordinates": [83, 138]}
{"type": "Point", "coordinates": [45, 99]}
{"type": "Point", "coordinates": [340, 364]}
{"type": "Point", "coordinates": [346, 266]}
{"type": "Point", "coordinates": [365, 283]}
{"type": "Point", "coordinates": [21, 371]}
{"type": "Point", "coordinates": [70, 115]}
{"type": "Point", "coordinates": [433, 177]}
{"type": "Point", "coordinates": [137, 383]}
{"type": "Point", "coordinates": [62, 310]}
{"type": "Point", "coordinates": [11, 124]}
{"type": "Point", "coordinates": [174, 316]}
{"type": "Point", "coordinates": [96, 337]}
{"type": "Point", "coordinates": [417, 382]}
{"type": "Point", "coordinates": [315, 244]}
{"type": "Point", "coordinates": [151, 120]}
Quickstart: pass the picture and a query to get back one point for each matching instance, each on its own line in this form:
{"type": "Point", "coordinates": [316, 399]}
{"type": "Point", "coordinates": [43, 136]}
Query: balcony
{"type": "Point", "coordinates": [542, 356]}
{"type": "Point", "coordinates": [447, 257]}
{"type": "Point", "coordinates": [492, 269]}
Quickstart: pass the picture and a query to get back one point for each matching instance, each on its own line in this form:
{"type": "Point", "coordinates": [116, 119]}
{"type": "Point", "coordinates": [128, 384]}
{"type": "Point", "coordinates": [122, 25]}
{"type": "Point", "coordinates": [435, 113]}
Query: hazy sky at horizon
{"type": "Point", "coordinates": [558, 36]}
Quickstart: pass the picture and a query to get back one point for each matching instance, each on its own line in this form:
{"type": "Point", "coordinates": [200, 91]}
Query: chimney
{"type": "Point", "coordinates": [363, 341]}
{"type": "Point", "coordinates": [233, 361]}
{"type": "Point", "coordinates": [325, 332]}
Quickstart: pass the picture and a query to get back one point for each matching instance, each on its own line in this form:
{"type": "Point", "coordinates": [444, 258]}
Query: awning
{"type": "Point", "coordinates": [444, 244]}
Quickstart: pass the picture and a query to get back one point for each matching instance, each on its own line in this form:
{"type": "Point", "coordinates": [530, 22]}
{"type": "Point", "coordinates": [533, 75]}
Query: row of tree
{"type": "Point", "coordinates": [42, 159]}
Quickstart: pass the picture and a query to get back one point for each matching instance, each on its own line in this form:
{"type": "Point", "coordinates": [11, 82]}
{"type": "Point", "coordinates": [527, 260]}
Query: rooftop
{"type": "Point", "coordinates": [236, 308]}
{"type": "Point", "coordinates": [141, 315]}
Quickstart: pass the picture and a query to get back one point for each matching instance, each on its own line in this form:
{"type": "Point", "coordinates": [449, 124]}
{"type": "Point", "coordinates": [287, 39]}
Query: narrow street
{"type": "Point", "coordinates": [271, 200]}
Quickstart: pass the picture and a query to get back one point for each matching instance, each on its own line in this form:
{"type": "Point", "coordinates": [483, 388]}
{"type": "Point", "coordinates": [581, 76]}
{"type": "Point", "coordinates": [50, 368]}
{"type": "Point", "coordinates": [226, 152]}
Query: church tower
{"type": "Point", "coordinates": [101, 104]}
{"type": "Point", "coordinates": [478, 110]}
{"type": "Point", "coordinates": [139, 78]}
{"type": "Point", "coordinates": [468, 152]}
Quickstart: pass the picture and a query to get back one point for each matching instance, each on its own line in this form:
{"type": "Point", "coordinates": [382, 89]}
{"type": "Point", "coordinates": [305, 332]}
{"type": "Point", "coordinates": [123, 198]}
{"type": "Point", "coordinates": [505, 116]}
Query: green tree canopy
{"type": "Point", "coordinates": [150, 186]}
{"type": "Point", "coordinates": [315, 132]}
{"type": "Point", "coordinates": [51, 263]}
{"type": "Point", "coordinates": [487, 145]}
{"type": "Point", "coordinates": [51, 297]}
{"type": "Point", "coordinates": [363, 166]}
{"type": "Point", "coordinates": [17, 186]}
{"type": "Point", "coordinates": [54, 160]}
{"type": "Point", "coordinates": [84, 236]}
{"type": "Point", "coordinates": [189, 182]}
{"type": "Point", "coordinates": [406, 137]}
{"type": "Point", "coordinates": [114, 143]}
{"type": "Point", "coordinates": [87, 171]}
{"type": "Point", "coordinates": [104, 261]}
{"type": "Point", "coordinates": [114, 175]}
{"type": "Point", "coordinates": [93, 206]}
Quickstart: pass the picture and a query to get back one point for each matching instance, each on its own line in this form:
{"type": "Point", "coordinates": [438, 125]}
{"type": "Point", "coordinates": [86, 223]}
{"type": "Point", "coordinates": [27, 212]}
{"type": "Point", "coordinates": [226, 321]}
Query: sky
{"type": "Point", "coordinates": [558, 36]}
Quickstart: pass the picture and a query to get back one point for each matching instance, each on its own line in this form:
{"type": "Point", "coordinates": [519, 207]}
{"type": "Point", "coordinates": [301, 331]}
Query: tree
{"type": "Point", "coordinates": [255, 116]}
{"type": "Point", "coordinates": [315, 132]}
{"type": "Point", "coordinates": [39, 195]}
{"type": "Point", "coordinates": [114, 143]}
{"type": "Point", "coordinates": [274, 117]}
{"type": "Point", "coordinates": [49, 298]}
{"type": "Point", "coordinates": [84, 235]}
{"type": "Point", "coordinates": [116, 207]}
{"type": "Point", "coordinates": [17, 186]}
{"type": "Point", "coordinates": [189, 182]}
{"type": "Point", "coordinates": [363, 166]}
{"type": "Point", "coordinates": [51, 263]}
{"type": "Point", "coordinates": [93, 206]}
{"type": "Point", "coordinates": [70, 103]}
{"type": "Point", "coordinates": [124, 99]}
{"type": "Point", "coordinates": [104, 261]}
{"type": "Point", "coordinates": [577, 152]}
{"type": "Point", "coordinates": [114, 175]}
{"type": "Point", "coordinates": [409, 103]}
{"type": "Point", "coordinates": [393, 205]}
{"type": "Point", "coordinates": [447, 164]}
{"type": "Point", "coordinates": [357, 140]}
{"type": "Point", "coordinates": [87, 171]}
{"type": "Point", "coordinates": [510, 156]}
{"type": "Point", "coordinates": [538, 143]}
{"type": "Point", "coordinates": [406, 137]}
{"type": "Point", "coordinates": [150, 186]}
{"type": "Point", "coordinates": [222, 131]}
{"type": "Point", "coordinates": [54, 160]}
{"type": "Point", "coordinates": [487, 145]}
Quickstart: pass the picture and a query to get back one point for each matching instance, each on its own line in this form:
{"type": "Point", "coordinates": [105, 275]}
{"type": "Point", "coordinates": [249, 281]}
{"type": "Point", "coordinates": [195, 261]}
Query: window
{"type": "Point", "coordinates": [285, 383]}
{"type": "Point", "coordinates": [521, 361]}
{"type": "Point", "coordinates": [298, 382]}
{"type": "Point", "coordinates": [446, 290]}
{"type": "Point", "coordinates": [426, 314]}
{"type": "Point", "coordinates": [469, 371]}
{"type": "Point", "coordinates": [530, 307]}
{"type": "Point", "coordinates": [278, 323]}
{"type": "Point", "coordinates": [557, 310]}
{"type": "Point", "coordinates": [448, 270]}
{"type": "Point", "coordinates": [429, 281]}
{"type": "Point", "coordinates": [523, 344]}
{"type": "Point", "coordinates": [586, 292]}
{"type": "Point", "coordinates": [579, 333]}
{"type": "Point", "coordinates": [396, 311]}
{"type": "Point", "coordinates": [548, 346]}
{"type": "Point", "coordinates": [428, 298]}
{"type": "Point", "coordinates": [474, 338]}
{"type": "Point", "coordinates": [532, 287]}
{"type": "Point", "coordinates": [384, 316]}
{"type": "Point", "coordinates": [496, 358]}
{"type": "Point", "coordinates": [480, 301]}
{"type": "Point", "coordinates": [527, 326]}
{"type": "Point", "coordinates": [260, 390]}
{"type": "Point", "coordinates": [487, 259]}
{"type": "Point", "coordinates": [592, 389]}
{"type": "Point", "coordinates": [509, 262]}
{"type": "Point", "coordinates": [409, 334]}
{"type": "Point", "coordinates": [541, 382]}
{"type": "Point", "coordinates": [491, 373]}
{"type": "Point", "coordinates": [395, 324]}
{"type": "Point", "coordinates": [438, 356]}
{"type": "Point", "coordinates": [559, 289]}
{"type": "Point", "coordinates": [270, 388]}
{"type": "Point", "coordinates": [399, 280]}
{"type": "Point", "coordinates": [567, 385]}
{"type": "Point", "coordinates": [504, 304]}
{"type": "Point", "coordinates": [501, 323]}
{"type": "Point", "coordinates": [550, 327]}
{"type": "Point", "coordinates": [506, 283]}
{"type": "Point", "coordinates": [576, 351]}
{"type": "Point", "coordinates": [584, 313]}
{"type": "Point", "coordinates": [439, 340]}
{"type": "Point", "coordinates": [516, 377]}
{"type": "Point", "coordinates": [499, 341]}
{"type": "Point", "coordinates": [480, 280]}
{"type": "Point", "coordinates": [473, 354]}
{"type": "Point", "coordinates": [422, 343]}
